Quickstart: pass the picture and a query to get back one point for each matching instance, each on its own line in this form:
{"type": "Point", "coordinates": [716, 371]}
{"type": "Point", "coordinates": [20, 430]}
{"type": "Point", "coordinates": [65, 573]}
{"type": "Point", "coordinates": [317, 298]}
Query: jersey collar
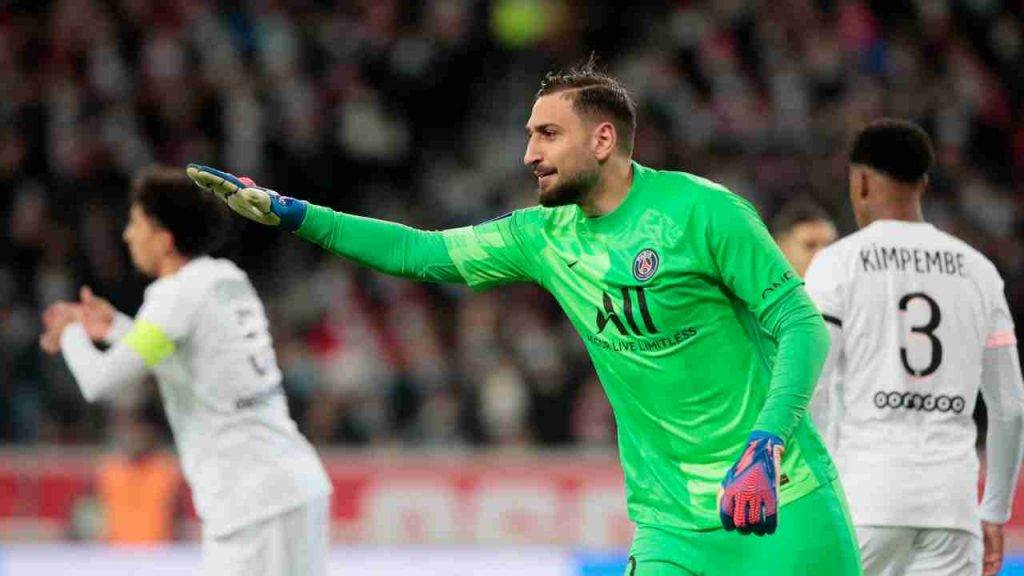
{"type": "Point", "coordinates": [622, 214]}
{"type": "Point", "coordinates": [881, 223]}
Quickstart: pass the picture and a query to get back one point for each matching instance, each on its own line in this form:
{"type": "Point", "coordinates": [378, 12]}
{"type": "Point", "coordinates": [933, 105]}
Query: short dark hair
{"type": "Point", "coordinates": [899, 149]}
{"type": "Point", "coordinates": [795, 213]}
{"type": "Point", "coordinates": [196, 219]}
{"type": "Point", "coordinates": [597, 95]}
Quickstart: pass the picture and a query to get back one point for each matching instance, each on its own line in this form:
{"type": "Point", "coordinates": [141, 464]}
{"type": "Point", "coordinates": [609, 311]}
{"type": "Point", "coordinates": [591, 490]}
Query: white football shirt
{"type": "Point", "coordinates": [916, 309]}
{"type": "Point", "coordinates": [203, 332]}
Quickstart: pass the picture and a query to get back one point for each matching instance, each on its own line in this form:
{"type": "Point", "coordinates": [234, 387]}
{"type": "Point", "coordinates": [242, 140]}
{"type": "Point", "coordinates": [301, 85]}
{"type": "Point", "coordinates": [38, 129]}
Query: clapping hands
{"type": "Point", "coordinates": [56, 318]}
{"type": "Point", "coordinates": [95, 313]}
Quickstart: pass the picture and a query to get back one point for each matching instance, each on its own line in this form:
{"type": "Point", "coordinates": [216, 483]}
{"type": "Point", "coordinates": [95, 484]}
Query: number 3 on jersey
{"type": "Point", "coordinates": [254, 331]}
{"type": "Point", "coordinates": [928, 330]}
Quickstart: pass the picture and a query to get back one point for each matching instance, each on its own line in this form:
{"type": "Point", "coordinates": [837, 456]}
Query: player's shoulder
{"type": "Point", "coordinates": [687, 191]}
{"type": "Point", "coordinates": [166, 286]}
{"type": "Point", "coordinates": [962, 244]}
{"type": "Point", "coordinates": [674, 181]}
{"type": "Point", "coordinates": [535, 217]}
{"type": "Point", "coordinates": [977, 261]}
{"type": "Point", "coordinates": [193, 280]}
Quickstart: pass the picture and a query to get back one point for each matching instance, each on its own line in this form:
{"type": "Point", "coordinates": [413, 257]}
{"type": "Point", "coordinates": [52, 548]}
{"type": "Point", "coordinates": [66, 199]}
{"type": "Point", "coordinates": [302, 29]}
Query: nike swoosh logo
{"type": "Point", "coordinates": [573, 263]}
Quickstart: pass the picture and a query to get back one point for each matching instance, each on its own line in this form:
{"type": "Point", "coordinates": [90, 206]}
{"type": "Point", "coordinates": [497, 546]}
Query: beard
{"type": "Point", "coordinates": [570, 190]}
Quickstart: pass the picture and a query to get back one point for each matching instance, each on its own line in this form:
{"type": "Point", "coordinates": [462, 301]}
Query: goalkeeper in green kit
{"type": "Point", "coordinates": [700, 331]}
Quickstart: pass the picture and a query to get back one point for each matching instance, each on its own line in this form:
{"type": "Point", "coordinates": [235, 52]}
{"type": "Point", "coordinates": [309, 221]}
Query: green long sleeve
{"type": "Point", "coordinates": [753, 268]}
{"type": "Point", "coordinates": [803, 343]}
{"type": "Point", "coordinates": [387, 247]}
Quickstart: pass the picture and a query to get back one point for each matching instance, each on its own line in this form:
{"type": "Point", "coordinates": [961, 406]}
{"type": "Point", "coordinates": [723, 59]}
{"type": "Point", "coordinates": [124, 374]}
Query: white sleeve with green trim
{"type": "Point", "coordinates": [170, 306]}
{"type": "Point", "coordinates": [99, 374]}
{"type": "Point", "coordinates": [164, 318]}
{"type": "Point", "coordinates": [121, 325]}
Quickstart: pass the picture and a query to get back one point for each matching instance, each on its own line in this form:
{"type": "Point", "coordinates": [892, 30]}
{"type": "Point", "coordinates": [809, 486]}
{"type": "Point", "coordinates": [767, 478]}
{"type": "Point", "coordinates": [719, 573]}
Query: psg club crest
{"type": "Point", "coordinates": [645, 264]}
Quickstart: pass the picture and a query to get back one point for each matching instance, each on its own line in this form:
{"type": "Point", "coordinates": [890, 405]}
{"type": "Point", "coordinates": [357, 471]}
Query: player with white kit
{"type": "Point", "coordinates": [258, 485]}
{"type": "Point", "coordinates": [919, 324]}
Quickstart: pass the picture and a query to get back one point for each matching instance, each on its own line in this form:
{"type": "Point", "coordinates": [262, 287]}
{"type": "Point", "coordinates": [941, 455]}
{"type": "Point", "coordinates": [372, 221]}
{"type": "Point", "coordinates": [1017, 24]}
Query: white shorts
{"type": "Point", "coordinates": [898, 551]}
{"type": "Point", "coordinates": [294, 543]}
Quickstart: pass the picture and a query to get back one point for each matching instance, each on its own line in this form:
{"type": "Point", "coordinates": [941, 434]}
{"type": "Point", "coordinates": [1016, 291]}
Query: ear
{"type": "Point", "coordinates": [167, 241]}
{"type": "Point", "coordinates": [604, 139]}
{"type": "Point", "coordinates": [864, 181]}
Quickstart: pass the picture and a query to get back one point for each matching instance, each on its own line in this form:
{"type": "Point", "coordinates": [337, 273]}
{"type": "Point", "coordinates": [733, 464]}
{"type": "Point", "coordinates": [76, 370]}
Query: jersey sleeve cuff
{"type": "Point", "coordinates": [315, 220]}
{"type": "Point", "coordinates": [993, 517]}
{"type": "Point", "coordinates": [118, 329]}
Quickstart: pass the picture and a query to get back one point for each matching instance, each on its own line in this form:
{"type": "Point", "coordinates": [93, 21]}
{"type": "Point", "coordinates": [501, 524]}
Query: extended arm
{"type": "Point", "coordinates": [100, 374]}
{"type": "Point", "coordinates": [140, 345]}
{"type": "Point", "coordinates": [384, 246]}
{"type": "Point", "coordinates": [484, 255]}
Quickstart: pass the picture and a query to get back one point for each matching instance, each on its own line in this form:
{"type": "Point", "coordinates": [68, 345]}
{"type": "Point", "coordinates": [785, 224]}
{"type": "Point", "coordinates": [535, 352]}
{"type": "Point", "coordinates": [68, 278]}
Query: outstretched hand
{"type": "Point", "coordinates": [246, 198]}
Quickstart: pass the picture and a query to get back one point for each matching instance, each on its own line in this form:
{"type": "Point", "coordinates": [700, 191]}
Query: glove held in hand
{"type": "Point", "coordinates": [750, 496]}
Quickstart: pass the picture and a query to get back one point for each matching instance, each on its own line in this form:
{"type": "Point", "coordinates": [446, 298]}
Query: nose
{"type": "Point", "coordinates": [532, 157]}
{"type": "Point", "coordinates": [126, 233]}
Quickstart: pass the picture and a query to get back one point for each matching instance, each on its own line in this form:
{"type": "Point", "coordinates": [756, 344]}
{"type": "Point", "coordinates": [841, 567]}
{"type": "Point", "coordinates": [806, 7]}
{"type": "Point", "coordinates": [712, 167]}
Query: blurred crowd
{"type": "Point", "coordinates": [414, 111]}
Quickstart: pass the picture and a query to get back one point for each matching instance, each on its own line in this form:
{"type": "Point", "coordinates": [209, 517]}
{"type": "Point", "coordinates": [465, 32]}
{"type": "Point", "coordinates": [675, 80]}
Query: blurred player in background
{"type": "Point", "coordinates": [257, 484]}
{"type": "Point", "coordinates": [919, 324]}
{"type": "Point", "coordinates": [138, 485]}
{"type": "Point", "coordinates": [700, 331]}
{"type": "Point", "coordinates": [802, 229]}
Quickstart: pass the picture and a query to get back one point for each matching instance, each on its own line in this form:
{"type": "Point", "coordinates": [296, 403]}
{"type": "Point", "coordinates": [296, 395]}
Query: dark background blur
{"type": "Point", "coordinates": [414, 111]}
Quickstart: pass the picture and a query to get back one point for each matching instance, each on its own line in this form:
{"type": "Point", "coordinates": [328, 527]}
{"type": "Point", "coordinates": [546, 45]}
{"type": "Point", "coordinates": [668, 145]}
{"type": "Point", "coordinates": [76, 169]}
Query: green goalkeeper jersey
{"type": "Point", "coordinates": [682, 299]}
